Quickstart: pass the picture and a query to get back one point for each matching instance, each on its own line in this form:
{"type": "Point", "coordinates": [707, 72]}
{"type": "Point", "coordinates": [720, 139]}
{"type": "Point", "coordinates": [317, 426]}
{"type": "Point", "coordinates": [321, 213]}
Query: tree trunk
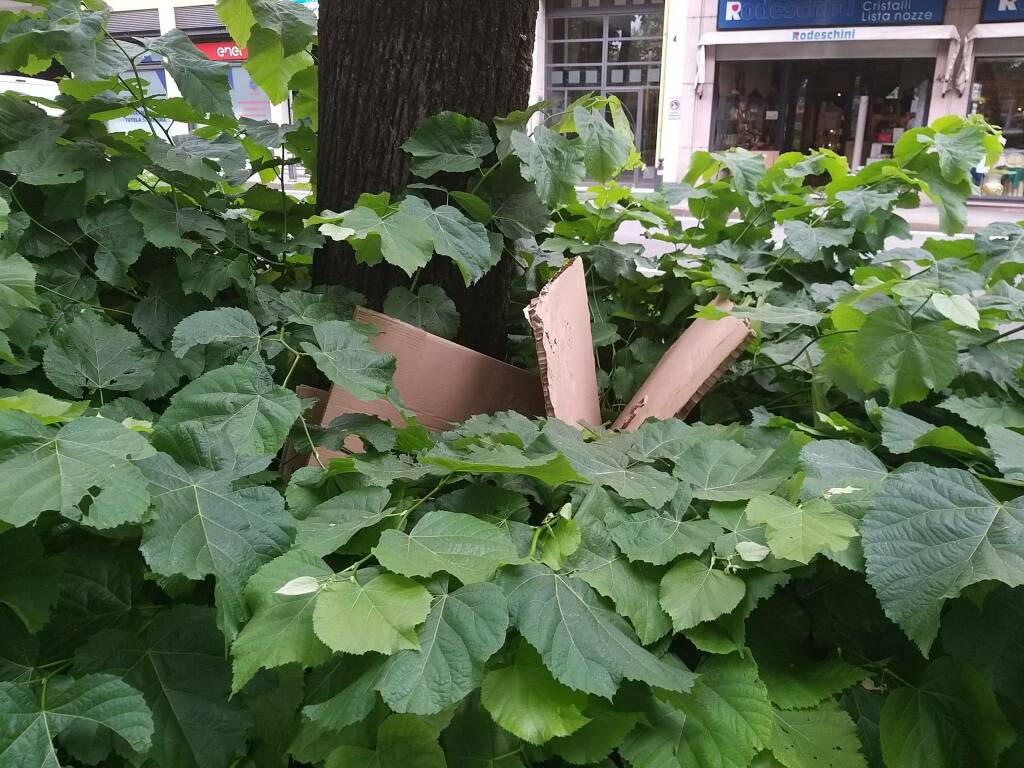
{"type": "Point", "coordinates": [384, 66]}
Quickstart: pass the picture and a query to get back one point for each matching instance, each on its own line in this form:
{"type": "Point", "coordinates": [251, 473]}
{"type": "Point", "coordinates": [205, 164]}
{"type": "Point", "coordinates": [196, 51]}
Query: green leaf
{"type": "Point", "coordinates": [462, 240]}
{"type": "Point", "coordinates": [343, 692]}
{"type": "Point", "coordinates": [90, 707]}
{"type": "Point", "coordinates": [658, 536]}
{"type": "Point", "coordinates": [476, 207]}
{"type": "Point", "coordinates": [605, 150]}
{"type": "Point", "coordinates": [552, 162]}
{"type": "Point", "coordinates": [165, 224]}
{"type": "Point", "coordinates": [823, 737]}
{"type": "Point", "coordinates": [585, 645]}
{"type": "Point", "coordinates": [178, 664]}
{"type": "Point", "coordinates": [810, 243]}
{"type": "Point", "coordinates": [403, 741]}
{"type": "Point", "coordinates": [723, 470]}
{"type": "Point", "coordinates": [929, 533]}
{"type": "Point", "coordinates": [860, 205]}
{"type": "Point", "coordinates": [429, 309]}
{"type": "Point", "coordinates": [837, 465]}
{"type": "Point", "coordinates": [959, 309]}
{"type": "Point", "coordinates": [986, 411]}
{"type": "Point", "coordinates": [400, 236]}
{"type": "Point", "coordinates": [204, 526]}
{"type": "Point", "coordinates": [271, 69]}
{"type": "Point", "coordinates": [558, 541]}
{"type": "Point", "coordinates": [1008, 447]}
{"type": "Point", "coordinates": [693, 592]}
{"type": "Point", "coordinates": [329, 525]}
{"type": "Point", "coordinates": [242, 402]}
{"type": "Point", "coordinates": [45, 409]}
{"type": "Point", "coordinates": [29, 580]}
{"type": "Point", "coordinates": [281, 628]}
{"type": "Point", "coordinates": [83, 470]}
{"type": "Point", "coordinates": [801, 531]}
{"type": "Point", "coordinates": [722, 723]}
{"type": "Point", "coordinates": [527, 702]}
{"type": "Point", "coordinates": [119, 240]}
{"type": "Point", "coordinates": [448, 142]}
{"type": "Point", "coordinates": [464, 628]}
{"type": "Point", "coordinates": [949, 720]}
{"type": "Point", "coordinates": [989, 638]}
{"type": "Point", "coordinates": [632, 587]}
{"type": "Point", "coordinates": [468, 548]}
{"type": "Point", "coordinates": [91, 355]}
{"type": "Point", "coordinates": [552, 468]}
{"type": "Point", "coordinates": [608, 465]}
{"type": "Point", "coordinates": [380, 615]}
{"type": "Point", "coordinates": [234, 327]}
{"type": "Point", "coordinates": [797, 682]}
{"type": "Point", "coordinates": [17, 288]}
{"type": "Point", "coordinates": [345, 355]}
{"type": "Point", "coordinates": [203, 83]}
{"type": "Point", "coordinates": [902, 433]}
{"type": "Point", "coordinates": [908, 356]}
{"type": "Point", "coordinates": [40, 161]}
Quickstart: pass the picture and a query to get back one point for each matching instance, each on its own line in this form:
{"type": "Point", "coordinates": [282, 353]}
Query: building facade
{"type": "Point", "coordinates": [779, 75]}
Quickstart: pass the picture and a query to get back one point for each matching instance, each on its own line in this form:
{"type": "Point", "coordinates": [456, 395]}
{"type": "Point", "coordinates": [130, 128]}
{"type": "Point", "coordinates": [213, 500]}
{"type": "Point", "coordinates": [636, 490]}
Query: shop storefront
{"type": "Point", "coordinates": [608, 47]}
{"type": "Point", "coordinates": [992, 83]}
{"type": "Point", "coordinates": [782, 75]}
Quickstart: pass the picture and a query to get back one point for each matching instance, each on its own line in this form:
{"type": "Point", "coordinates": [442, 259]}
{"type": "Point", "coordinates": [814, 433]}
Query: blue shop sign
{"type": "Point", "coordinates": [1002, 10]}
{"type": "Point", "coordinates": [789, 14]}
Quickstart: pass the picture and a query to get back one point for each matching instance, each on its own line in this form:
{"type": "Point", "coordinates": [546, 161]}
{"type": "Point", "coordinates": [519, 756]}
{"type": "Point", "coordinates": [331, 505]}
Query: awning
{"type": "Point", "coordinates": [983, 32]}
{"type": "Point", "coordinates": [838, 34]}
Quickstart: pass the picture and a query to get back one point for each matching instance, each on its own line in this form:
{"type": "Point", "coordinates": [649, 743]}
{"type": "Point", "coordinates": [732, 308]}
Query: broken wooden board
{"type": "Point", "coordinates": [688, 370]}
{"type": "Point", "coordinates": [560, 319]}
{"type": "Point", "coordinates": [441, 382]}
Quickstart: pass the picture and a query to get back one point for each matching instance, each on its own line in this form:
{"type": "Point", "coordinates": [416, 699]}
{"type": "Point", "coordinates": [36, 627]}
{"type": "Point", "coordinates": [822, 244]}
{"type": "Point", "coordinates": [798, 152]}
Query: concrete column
{"type": "Point", "coordinates": [677, 75]}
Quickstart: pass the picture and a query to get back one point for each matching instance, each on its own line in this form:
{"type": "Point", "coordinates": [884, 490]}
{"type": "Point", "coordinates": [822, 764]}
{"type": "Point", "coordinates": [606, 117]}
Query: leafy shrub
{"type": "Point", "coordinates": [824, 571]}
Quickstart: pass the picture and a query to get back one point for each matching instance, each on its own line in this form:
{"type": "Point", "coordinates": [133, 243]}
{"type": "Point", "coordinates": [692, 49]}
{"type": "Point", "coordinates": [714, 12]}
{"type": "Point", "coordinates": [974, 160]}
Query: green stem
{"type": "Point", "coordinates": [803, 349]}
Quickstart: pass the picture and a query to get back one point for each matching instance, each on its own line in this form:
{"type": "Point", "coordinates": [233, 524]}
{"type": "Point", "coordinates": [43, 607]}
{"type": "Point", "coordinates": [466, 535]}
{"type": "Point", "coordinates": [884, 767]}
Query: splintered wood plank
{"type": "Point", "coordinates": [560, 319]}
{"type": "Point", "coordinates": [688, 370]}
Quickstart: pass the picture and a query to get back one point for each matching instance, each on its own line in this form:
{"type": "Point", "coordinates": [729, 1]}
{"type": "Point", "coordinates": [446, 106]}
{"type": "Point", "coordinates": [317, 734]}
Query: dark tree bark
{"type": "Point", "coordinates": [384, 66]}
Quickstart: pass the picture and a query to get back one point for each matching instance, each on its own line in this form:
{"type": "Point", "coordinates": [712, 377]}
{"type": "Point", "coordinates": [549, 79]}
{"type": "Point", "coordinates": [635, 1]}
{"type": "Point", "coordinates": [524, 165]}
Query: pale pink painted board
{"type": "Point", "coordinates": [690, 367]}
{"type": "Point", "coordinates": [560, 319]}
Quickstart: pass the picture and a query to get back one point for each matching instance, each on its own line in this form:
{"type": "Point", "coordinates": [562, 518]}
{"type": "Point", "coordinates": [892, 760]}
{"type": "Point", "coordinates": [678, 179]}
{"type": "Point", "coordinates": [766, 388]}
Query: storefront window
{"type": "Point", "coordinates": [608, 47]}
{"type": "Point", "coordinates": [997, 94]}
{"type": "Point", "coordinates": [781, 106]}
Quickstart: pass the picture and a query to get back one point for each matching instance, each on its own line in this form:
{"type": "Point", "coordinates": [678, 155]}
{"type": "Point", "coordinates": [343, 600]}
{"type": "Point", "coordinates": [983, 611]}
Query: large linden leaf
{"type": "Point", "coordinates": [801, 531]}
{"type": "Point", "coordinates": [693, 592]}
{"type": "Point", "coordinates": [552, 162]}
{"type": "Point", "coordinates": [929, 533]}
{"type": "Point", "coordinates": [907, 355]}
{"type": "Point", "coordinates": [461, 239]}
{"type": "Point", "coordinates": [608, 465]}
{"type": "Point", "coordinates": [724, 470]}
{"type": "Point", "coordinates": [403, 741]}
{"type": "Point", "coordinates": [231, 326]}
{"type": "Point", "coordinates": [467, 547]}
{"type": "Point", "coordinates": [204, 526]}
{"type": "Point", "coordinates": [585, 645]}
{"type": "Point", "coordinates": [448, 142]}
{"type": "Point", "coordinates": [178, 664]}
{"type": "Point", "coordinates": [91, 355]}
{"type": "Point", "coordinates": [242, 402]}
{"type": "Point", "coordinates": [823, 737]}
{"type": "Point", "coordinates": [344, 354]}
{"type": "Point", "coordinates": [949, 720]}
{"type": "Point", "coordinates": [464, 628]}
{"type": "Point", "coordinates": [94, 704]}
{"type": "Point", "coordinates": [281, 628]}
{"type": "Point", "coordinates": [83, 470]}
{"type": "Point", "coordinates": [330, 524]}
{"type": "Point", "coordinates": [379, 615]}
{"type": "Point", "coordinates": [526, 701]}
{"type": "Point", "coordinates": [429, 309]}
{"type": "Point", "coordinates": [29, 580]}
{"type": "Point", "coordinates": [17, 288]}
{"type": "Point", "coordinates": [721, 723]}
